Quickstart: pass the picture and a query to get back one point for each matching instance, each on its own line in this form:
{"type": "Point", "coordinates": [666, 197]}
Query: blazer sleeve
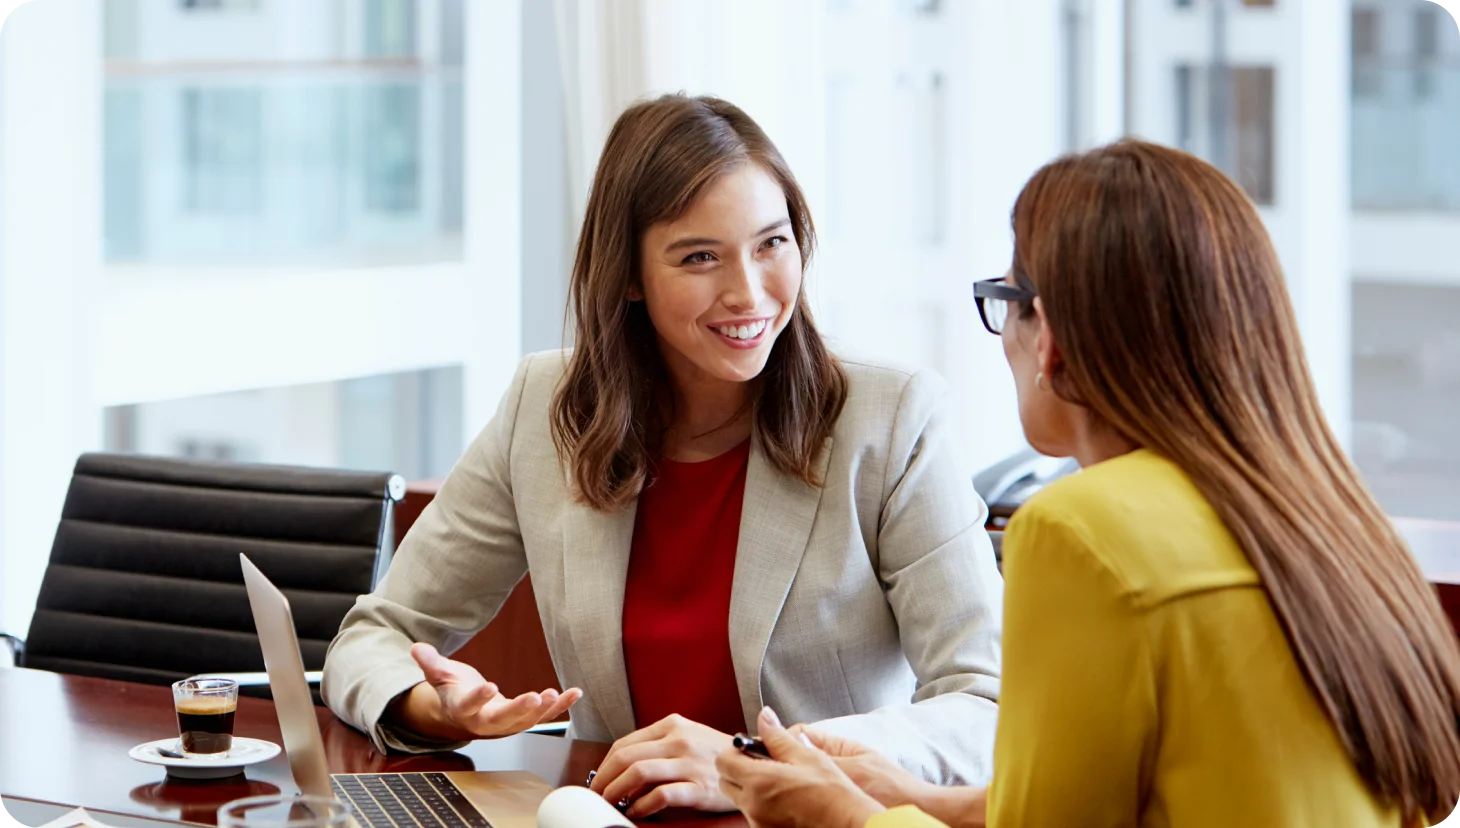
{"type": "Point", "coordinates": [937, 570]}
{"type": "Point", "coordinates": [454, 569]}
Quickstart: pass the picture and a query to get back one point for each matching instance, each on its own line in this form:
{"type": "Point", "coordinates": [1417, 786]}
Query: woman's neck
{"type": "Point", "coordinates": [1096, 443]}
{"type": "Point", "coordinates": [711, 416]}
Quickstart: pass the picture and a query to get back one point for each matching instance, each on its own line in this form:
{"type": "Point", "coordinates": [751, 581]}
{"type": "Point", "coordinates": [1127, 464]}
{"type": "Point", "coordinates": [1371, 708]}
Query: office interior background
{"type": "Point", "coordinates": [323, 232]}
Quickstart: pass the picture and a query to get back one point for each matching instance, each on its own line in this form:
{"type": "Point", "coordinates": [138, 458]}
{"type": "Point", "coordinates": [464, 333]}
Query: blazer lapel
{"type": "Point", "coordinates": [595, 569]}
{"type": "Point", "coordinates": [775, 525]}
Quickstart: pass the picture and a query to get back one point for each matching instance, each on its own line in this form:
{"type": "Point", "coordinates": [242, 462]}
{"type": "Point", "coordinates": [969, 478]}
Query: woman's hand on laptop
{"type": "Point", "coordinates": [457, 702]}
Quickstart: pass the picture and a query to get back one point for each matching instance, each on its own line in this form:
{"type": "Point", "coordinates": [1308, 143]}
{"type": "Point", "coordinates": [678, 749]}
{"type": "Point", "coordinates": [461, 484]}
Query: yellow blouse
{"type": "Point", "coordinates": [1146, 681]}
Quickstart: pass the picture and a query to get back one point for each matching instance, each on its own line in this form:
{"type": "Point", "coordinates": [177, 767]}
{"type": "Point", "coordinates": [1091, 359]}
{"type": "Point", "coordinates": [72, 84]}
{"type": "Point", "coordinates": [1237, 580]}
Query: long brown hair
{"type": "Point", "coordinates": [608, 418]}
{"type": "Point", "coordinates": [1166, 298]}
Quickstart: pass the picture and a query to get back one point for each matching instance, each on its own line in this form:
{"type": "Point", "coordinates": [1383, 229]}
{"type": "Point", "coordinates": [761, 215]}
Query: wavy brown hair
{"type": "Point", "coordinates": [1165, 295]}
{"type": "Point", "coordinates": [610, 412]}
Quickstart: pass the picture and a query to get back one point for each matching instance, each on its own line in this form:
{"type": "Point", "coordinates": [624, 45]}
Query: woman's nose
{"type": "Point", "coordinates": [745, 287]}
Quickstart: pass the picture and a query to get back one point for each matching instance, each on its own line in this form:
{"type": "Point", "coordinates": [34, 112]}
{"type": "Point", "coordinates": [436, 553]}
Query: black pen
{"type": "Point", "coordinates": [751, 746]}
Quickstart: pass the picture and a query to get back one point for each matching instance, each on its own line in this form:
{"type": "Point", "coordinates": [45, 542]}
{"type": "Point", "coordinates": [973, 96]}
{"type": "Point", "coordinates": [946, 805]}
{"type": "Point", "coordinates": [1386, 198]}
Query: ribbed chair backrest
{"type": "Point", "coordinates": [144, 583]}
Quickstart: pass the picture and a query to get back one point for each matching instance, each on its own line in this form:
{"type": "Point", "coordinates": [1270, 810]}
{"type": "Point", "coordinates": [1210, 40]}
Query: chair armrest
{"type": "Point", "coordinates": [258, 679]}
{"type": "Point", "coordinates": [16, 646]}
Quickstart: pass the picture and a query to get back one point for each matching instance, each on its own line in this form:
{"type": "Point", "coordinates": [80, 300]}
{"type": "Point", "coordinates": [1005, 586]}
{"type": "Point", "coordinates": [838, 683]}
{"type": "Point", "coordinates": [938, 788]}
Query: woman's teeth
{"type": "Point", "coordinates": [750, 331]}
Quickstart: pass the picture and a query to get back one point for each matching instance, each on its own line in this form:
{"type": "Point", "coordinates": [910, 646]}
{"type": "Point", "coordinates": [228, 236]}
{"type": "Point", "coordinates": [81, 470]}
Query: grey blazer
{"type": "Point", "coordinates": [870, 606]}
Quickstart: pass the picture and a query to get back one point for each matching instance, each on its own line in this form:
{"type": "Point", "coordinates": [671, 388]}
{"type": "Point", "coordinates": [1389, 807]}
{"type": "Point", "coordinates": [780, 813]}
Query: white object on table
{"type": "Point", "coordinates": [244, 752]}
{"type": "Point", "coordinates": [576, 807]}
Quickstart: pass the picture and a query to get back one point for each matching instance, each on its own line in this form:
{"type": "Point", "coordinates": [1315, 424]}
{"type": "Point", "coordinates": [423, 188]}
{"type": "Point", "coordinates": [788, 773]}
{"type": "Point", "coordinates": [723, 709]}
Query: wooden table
{"type": "Point", "coordinates": [64, 741]}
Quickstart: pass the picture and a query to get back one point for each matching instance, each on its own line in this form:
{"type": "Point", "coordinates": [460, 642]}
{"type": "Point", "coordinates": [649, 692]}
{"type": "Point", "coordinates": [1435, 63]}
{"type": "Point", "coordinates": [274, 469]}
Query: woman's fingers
{"type": "Point", "coordinates": [620, 758]}
{"type": "Point", "coordinates": [638, 778]}
{"type": "Point", "coordinates": [477, 704]}
{"type": "Point", "coordinates": [433, 664]}
{"type": "Point", "coordinates": [508, 716]}
{"type": "Point", "coordinates": [672, 795]}
{"type": "Point", "coordinates": [831, 745]}
{"type": "Point", "coordinates": [782, 746]}
{"type": "Point", "coordinates": [569, 698]}
{"type": "Point", "coordinates": [465, 701]}
{"type": "Point", "coordinates": [734, 766]}
{"type": "Point", "coordinates": [658, 730]}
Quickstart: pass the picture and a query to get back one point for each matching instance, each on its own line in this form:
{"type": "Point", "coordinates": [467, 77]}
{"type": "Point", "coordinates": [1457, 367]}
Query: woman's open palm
{"type": "Point", "coordinates": [476, 705]}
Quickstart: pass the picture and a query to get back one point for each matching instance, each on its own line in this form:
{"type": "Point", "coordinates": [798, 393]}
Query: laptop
{"type": "Point", "coordinates": [455, 799]}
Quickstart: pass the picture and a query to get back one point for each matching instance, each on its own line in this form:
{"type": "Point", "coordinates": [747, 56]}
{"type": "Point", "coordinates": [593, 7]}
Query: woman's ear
{"type": "Point", "coordinates": [636, 293]}
{"type": "Point", "coordinates": [1047, 351]}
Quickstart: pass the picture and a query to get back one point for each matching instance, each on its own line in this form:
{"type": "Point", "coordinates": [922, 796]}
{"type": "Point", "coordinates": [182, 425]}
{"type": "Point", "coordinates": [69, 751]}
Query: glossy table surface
{"type": "Point", "coordinates": [64, 740]}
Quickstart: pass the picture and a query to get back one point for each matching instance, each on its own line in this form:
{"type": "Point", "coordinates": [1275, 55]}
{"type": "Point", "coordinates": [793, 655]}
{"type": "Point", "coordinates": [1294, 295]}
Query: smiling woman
{"type": "Point", "coordinates": [717, 512]}
{"type": "Point", "coordinates": [708, 241]}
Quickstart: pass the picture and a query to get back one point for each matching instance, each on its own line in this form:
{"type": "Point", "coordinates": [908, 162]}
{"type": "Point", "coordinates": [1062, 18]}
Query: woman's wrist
{"type": "Point", "coordinates": [954, 806]}
{"type": "Point", "coordinates": [418, 712]}
{"type": "Point", "coordinates": [856, 810]}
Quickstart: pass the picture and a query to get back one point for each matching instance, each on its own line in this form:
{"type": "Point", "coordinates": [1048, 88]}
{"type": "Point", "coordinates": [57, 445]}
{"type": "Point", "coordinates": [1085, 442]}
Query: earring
{"type": "Point", "coordinates": [1039, 380]}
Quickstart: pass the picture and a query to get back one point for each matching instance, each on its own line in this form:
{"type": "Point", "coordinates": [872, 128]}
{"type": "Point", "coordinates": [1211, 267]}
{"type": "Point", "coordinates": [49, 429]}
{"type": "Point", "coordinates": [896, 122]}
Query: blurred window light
{"type": "Point", "coordinates": [409, 423]}
{"type": "Point", "coordinates": [1225, 115]}
{"type": "Point", "coordinates": [1406, 107]}
{"type": "Point", "coordinates": [220, 5]}
{"type": "Point", "coordinates": [1406, 346]}
{"type": "Point", "coordinates": [322, 135]}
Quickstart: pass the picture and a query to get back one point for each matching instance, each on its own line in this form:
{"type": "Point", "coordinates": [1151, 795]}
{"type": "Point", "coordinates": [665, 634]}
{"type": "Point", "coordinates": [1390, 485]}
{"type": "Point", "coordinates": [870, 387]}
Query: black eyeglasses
{"type": "Point", "coordinates": [993, 297]}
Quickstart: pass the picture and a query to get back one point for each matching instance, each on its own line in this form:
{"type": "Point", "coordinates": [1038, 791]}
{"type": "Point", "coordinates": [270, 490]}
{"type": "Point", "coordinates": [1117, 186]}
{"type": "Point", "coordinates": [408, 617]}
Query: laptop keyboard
{"type": "Point", "coordinates": [407, 800]}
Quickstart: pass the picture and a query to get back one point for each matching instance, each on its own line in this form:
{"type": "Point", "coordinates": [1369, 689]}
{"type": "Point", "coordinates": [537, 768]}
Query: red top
{"type": "Point", "coordinates": [677, 600]}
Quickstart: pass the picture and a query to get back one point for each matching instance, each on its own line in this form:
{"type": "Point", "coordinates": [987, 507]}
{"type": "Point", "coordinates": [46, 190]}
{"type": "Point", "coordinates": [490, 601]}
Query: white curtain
{"type": "Point", "coordinates": [765, 56]}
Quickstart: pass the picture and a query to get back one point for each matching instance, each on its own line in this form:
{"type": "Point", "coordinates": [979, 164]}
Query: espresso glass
{"type": "Point", "coordinates": [284, 811]}
{"type": "Point", "coordinates": [205, 709]}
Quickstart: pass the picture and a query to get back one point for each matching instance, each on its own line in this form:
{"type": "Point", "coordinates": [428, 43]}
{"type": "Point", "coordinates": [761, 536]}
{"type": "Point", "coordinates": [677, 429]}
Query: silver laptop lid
{"type": "Point", "coordinates": [275, 623]}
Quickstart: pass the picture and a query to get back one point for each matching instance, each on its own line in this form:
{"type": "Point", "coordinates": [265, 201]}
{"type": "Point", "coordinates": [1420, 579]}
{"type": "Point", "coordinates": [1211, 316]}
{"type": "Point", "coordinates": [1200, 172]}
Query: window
{"type": "Point", "coordinates": [390, 30]}
{"type": "Point", "coordinates": [1225, 114]}
{"type": "Point", "coordinates": [927, 7]}
{"type": "Point", "coordinates": [1250, 161]}
{"type": "Point", "coordinates": [1365, 34]}
{"type": "Point", "coordinates": [1427, 21]}
{"type": "Point", "coordinates": [920, 155]}
{"type": "Point", "coordinates": [392, 149]}
{"type": "Point", "coordinates": [224, 5]}
{"type": "Point", "coordinates": [409, 423]}
{"type": "Point", "coordinates": [1406, 107]}
{"type": "Point", "coordinates": [222, 150]}
{"type": "Point", "coordinates": [1405, 394]}
{"type": "Point", "coordinates": [224, 146]}
{"type": "Point", "coordinates": [1367, 77]}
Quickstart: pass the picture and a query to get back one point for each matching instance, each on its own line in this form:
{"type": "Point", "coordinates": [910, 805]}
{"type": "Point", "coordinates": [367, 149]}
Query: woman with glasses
{"type": "Point", "coordinates": [716, 511]}
{"type": "Point", "coordinates": [1213, 623]}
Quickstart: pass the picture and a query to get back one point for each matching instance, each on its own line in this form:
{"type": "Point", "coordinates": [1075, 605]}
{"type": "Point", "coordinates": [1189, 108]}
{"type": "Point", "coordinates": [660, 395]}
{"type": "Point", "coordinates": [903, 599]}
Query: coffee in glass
{"type": "Point", "coordinates": [205, 711]}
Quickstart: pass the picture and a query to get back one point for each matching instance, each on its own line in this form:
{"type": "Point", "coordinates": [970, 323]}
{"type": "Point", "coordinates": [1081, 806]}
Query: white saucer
{"type": "Point", "coordinates": [218, 766]}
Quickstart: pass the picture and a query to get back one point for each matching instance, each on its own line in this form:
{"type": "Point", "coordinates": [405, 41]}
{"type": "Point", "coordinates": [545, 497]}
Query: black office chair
{"type": "Point", "coordinates": [144, 583]}
{"type": "Point", "coordinates": [1005, 485]}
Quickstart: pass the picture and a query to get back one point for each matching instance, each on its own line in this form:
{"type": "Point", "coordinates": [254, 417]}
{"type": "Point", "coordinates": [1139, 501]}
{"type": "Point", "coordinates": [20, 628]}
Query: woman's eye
{"type": "Point", "coordinates": [698, 257]}
{"type": "Point", "coordinates": [775, 241]}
